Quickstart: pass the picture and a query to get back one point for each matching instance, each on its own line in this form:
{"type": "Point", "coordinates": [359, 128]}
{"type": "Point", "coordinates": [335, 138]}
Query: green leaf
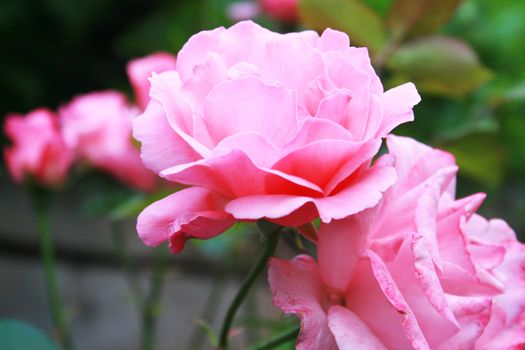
{"type": "Point", "coordinates": [479, 156]}
{"type": "Point", "coordinates": [360, 22]}
{"type": "Point", "coordinates": [420, 16]}
{"type": "Point", "coordinates": [208, 331]}
{"type": "Point", "coordinates": [15, 335]}
{"type": "Point", "coordinates": [439, 65]}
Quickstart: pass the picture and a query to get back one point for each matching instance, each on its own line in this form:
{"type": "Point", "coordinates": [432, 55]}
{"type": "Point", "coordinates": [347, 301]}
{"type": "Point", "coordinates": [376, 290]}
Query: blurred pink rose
{"type": "Point", "coordinates": [38, 150]}
{"type": "Point", "coordinates": [418, 271]}
{"type": "Point", "coordinates": [282, 126]}
{"type": "Point", "coordinates": [140, 70]}
{"type": "Point", "coordinates": [284, 10]}
{"type": "Point", "coordinates": [97, 126]}
{"type": "Point", "coordinates": [243, 10]}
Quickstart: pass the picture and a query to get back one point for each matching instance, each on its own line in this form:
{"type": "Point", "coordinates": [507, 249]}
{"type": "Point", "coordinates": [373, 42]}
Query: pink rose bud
{"type": "Point", "coordinates": [97, 126]}
{"type": "Point", "coordinates": [38, 150]}
{"type": "Point", "coordinates": [284, 10]}
{"type": "Point", "coordinates": [282, 127]}
{"type": "Point", "coordinates": [140, 70]}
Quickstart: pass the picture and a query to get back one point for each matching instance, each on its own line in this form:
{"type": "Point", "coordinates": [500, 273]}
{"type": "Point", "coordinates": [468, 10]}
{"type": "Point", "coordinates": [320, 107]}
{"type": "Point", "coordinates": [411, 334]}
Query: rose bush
{"type": "Point", "coordinates": [282, 127]}
{"type": "Point", "coordinates": [38, 150]}
{"type": "Point", "coordinates": [418, 271]}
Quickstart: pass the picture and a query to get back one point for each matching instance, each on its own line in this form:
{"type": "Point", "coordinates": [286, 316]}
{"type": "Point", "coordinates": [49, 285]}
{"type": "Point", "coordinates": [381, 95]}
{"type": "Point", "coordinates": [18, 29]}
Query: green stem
{"type": "Point", "coordinates": [212, 304]}
{"type": "Point", "coordinates": [251, 312]}
{"type": "Point", "coordinates": [280, 339]}
{"type": "Point", "coordinates": [151, 304]}
{"type": "Point", "coordinates": [147, 306]}
{"type": "Point", "coordinates": [124, 259]}
{"type": "Point", "coordinates": [41, 200]}
{"type": "Point", "coordinates": [272, 238]}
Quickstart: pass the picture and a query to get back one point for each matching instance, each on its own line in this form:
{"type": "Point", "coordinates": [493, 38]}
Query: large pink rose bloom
{"type": "Point", "coordinates": [97, 126]}
{"type": "Point", "coordinates": [38, 150]}
{"type": "Point", "coordinates": [281, 127]}
{"type": "Point", "coordinates": [418, 271]}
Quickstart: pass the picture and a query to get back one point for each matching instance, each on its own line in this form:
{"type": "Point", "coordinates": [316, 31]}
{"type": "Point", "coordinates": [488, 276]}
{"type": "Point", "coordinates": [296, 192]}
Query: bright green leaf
{"type": "Point", "coordinates": [360, 22]}
{"type": "Point", "coordinates": [479, 156]}
{"type": "Point", "coordinates": [15, 335]}
{"type": "Point", "coordinates": [439, 65]}
{"type": "Point", "coordinates": [420, 16]}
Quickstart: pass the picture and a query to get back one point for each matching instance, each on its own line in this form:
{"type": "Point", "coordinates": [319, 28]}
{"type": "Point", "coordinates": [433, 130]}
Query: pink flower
{"type": "Point", "coordinates": [494, 247]}
{"type": "Point", "coordinates": [38, 150]}
{"type": "Point", "coordinates": [97, 126]}
{"type": "Point", "coordinates": [282, 126]}
{"type": "Point", "coordinates": [140, 70]}
{"type": "Point", "coordinates": [418, 271]}
{"type": "Point", "coordinates": [284, 10]}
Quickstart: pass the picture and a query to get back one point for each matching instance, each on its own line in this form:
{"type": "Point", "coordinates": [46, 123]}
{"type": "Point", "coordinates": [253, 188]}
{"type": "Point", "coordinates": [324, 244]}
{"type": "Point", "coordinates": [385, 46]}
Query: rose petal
{"type": "Point", "coordinates": [348, 201]}
{"type": "Point", "coordinates": [165, 88]}
{"type": "Point", "coordinates": [247, 179]}
{"type": "Point", "coordinates": [329, 161]}
{"type": "Point", "coordinates": [140, 69]}
{"type": "Point", "coordinates": [473, 314]}
{"type": "Point", "coordinates": [190, 213]}
{"type": "Point", "coordinates": [297, 289]}
{"type": "Point", "coordinates": [333, 40]}
{"type": "Point", "coordinates": [161, 147]}
{"type": "Point", "coordinates": [375, 298]}
{"type": "Point", "coordinates": [418, 283]}
{"type": "Point", "coordinates": [302, 65]}
{"type": "Point", "coordinates": [258, 107]}
{"type": "Point", "coordinates": [247, 35]}
{"type": "Point", "coordinates": [350, 332]}
{"type": "Point", "coordinates": [397, 107]}
{"type": "Point", "coordinates": [339, 247]}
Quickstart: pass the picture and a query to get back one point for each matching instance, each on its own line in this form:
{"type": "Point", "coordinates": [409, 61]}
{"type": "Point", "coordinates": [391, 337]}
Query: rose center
{"type": "Point", "coordinates": [335, 298]}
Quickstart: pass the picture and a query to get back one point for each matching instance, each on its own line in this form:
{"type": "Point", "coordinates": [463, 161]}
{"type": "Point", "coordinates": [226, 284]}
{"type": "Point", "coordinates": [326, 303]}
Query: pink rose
{"type": "Point", "coordinates": [418, 271]}
{"type": "Point", "coordinates": [97, 126]}
{"type": "Point", "coordinates": [284, 10]}
{"type": "Point", "coordinates": [494, 247]}
{"type": "Point", "coordinates": [284, 127]}
{"type": "Point", "coordinates": [140, 70]}
{"type": "Point", "coordinates": [38, 150]}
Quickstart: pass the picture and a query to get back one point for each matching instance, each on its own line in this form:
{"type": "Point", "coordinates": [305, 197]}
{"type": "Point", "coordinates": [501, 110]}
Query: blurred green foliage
{"type": "Point", "coordinates": [466, 57]}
